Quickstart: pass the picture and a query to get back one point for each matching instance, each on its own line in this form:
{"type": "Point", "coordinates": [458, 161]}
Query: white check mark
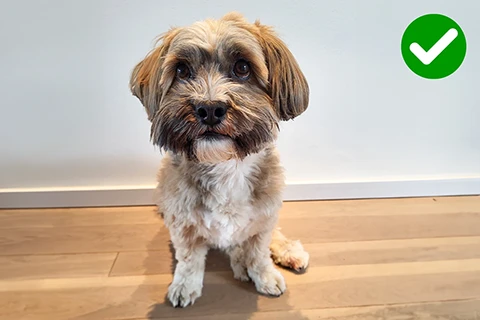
{"type": "Point", "coordinates": [426, 57]}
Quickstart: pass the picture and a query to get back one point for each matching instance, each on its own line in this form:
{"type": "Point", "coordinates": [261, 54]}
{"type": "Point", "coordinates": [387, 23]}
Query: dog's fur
{"type": "Point", "coordinates": [223, 191]}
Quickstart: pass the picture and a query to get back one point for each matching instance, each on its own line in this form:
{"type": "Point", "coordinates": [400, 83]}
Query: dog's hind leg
{"type": "Point", "coordinates": [288, 253]}
{"type": "Point", "coordinates": [237, 263]}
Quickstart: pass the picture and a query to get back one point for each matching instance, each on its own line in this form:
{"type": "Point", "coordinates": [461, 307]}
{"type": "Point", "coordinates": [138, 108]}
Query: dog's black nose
{"type": "Point", "coordinates": [211, 114]}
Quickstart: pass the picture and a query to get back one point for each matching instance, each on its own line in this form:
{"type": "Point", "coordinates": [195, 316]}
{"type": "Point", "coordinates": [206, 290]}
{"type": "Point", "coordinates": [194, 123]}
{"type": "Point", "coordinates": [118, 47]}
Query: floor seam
{"type": "Point", "coordinates": [113, 264]}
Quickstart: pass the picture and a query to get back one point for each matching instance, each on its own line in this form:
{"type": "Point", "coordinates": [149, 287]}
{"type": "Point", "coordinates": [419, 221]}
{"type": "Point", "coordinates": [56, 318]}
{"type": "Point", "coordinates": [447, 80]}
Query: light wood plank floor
{"type": "Point", "coordinates": [370, 259]}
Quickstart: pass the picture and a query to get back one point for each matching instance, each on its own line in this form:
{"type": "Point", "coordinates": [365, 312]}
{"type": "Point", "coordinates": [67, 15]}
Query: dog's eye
{"type": "Point", "coordinates": [183, 72]}
{"type": "Point", "coordinates": [241, 69]}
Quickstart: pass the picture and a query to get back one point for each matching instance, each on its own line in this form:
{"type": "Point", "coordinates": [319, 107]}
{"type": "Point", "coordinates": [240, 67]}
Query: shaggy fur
{"type": "Point", "coordinates": [220, 186]}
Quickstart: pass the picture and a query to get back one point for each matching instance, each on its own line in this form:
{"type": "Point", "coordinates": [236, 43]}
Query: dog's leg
{"type": "Point", "coordinates": [260, 268]}
{"type": "Point", "coordinates": [187, 282]}
{"type": "Point", "coordinates": [237, 262]}
{"type": "Point", "coordinates": [288, 253]}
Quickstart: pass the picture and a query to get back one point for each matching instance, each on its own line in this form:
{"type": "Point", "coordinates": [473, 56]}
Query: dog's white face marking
{"type": "Point", "coordinates": [214, 151]}
{"type": "Point", "coordinates": [243, 67]}
{"type": "Point", "coordinates": [214, 93]}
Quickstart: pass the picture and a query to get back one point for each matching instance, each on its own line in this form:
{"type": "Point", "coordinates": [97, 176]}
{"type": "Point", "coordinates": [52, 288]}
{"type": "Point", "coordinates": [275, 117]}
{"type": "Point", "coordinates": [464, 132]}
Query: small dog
{"type": "Point", "coordinates": [214, 93]}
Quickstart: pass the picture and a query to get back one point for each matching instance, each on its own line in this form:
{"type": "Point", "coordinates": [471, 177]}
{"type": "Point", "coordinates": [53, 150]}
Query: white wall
{"type": "Point", "coordinates": [67, 118]}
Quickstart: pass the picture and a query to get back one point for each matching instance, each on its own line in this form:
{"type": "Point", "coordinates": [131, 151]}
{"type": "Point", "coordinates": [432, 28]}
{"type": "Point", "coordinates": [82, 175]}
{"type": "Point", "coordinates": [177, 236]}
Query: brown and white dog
{"type": "Point", "coordinates": [214, 93]}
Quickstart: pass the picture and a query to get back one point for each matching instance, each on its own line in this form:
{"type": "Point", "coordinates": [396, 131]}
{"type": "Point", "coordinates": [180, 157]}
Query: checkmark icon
{"type": "Point", "coordinates": [433, 46]}
{"type": "Point", "coordinates": [428, 56]}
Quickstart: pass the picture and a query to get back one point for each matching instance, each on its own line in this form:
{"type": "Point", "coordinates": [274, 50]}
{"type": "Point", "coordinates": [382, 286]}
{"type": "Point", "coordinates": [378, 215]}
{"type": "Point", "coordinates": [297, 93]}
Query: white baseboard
{"type": "Point", "coordinates": [131, 196]}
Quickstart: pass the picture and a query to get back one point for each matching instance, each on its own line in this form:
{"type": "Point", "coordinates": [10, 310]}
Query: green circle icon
{"type": "Point", "coordinates": [433, 46]}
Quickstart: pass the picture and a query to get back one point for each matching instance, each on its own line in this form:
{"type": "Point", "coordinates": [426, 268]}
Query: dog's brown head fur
{"type": "Point", "coordinates": [241, 71]}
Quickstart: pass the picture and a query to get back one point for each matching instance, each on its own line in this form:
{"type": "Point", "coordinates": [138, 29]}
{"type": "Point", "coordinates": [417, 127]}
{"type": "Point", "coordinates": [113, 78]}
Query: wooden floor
{"type": "Point", "coordinates": [370, 259]}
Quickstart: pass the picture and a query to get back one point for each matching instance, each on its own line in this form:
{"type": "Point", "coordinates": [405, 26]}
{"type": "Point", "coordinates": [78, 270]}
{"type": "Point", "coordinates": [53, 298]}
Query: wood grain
{"type": "Point", "coordinates": [133, 300]}
{"type": "Point", "coordinates": [153, 236]}
{"type": "Point", "coordinates": [393, 251]}
{"type": "Point", "coordinates": [370, 259]}
{"type": "Point", "coordinates": [85, 239]}
{"type": "Point", "coordinates": [451, 310]}
{"type": "Point", "coordinates": [314, 275]}
{"type": "Point", "coordinates": [381, 207]}
{"type": "Point", "coordinates": [65, 217]}
{"type": "Point", "coordinates": [322, 254]}
{"type": "Point", "coordinates": [56, 266]}
{"type": "Point", "coordinates": [155, 262]}
{"type": "Point", "coordinates": [361, 228]}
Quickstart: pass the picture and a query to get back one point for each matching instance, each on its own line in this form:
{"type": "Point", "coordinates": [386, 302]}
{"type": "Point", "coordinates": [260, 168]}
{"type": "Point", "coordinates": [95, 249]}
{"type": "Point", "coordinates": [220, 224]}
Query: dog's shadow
{"type": "Point", "coordinates": [223, 297]}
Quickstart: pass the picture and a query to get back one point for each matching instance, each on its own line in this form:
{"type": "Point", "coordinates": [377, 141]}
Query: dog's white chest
{"type": "Point", "coordinates": [224, 229]}
{"type": "Point", "coordinates": [221, 203]}
{"type": "Point", "coordinates": [228, 214]}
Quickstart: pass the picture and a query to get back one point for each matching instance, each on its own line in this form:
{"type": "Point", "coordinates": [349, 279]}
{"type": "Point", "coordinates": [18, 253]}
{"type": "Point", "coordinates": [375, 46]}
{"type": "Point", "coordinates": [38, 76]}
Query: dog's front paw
{"type": "Point", "coordinates": [182, 294]}
{"type": "Point", "coordinates": [269, 282]}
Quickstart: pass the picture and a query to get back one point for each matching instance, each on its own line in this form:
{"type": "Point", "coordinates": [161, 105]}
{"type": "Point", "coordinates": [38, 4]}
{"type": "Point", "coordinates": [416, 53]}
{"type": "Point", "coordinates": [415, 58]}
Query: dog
{"type": "Point", "coordinates": [215, 93]}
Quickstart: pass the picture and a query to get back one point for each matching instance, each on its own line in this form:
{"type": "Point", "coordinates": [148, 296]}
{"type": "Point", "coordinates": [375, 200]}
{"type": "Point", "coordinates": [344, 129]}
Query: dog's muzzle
{"type": "Point", "coordinates": [211, 114]}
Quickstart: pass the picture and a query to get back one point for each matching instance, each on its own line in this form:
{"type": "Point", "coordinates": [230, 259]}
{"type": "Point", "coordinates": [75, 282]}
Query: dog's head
{"type": "Point", "coordinates": [217, 89]}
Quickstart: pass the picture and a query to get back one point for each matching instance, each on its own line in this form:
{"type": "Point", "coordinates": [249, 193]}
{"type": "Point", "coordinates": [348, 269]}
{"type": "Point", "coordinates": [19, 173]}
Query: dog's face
{"type": "Point", "coordinates": [216, 90]}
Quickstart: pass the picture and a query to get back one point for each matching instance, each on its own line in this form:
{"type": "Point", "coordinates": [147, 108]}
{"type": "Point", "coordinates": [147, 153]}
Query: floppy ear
{"type": "Point", "coordinates": [288, 87]}
{"type": "Point", "coordinates": [145, 77]}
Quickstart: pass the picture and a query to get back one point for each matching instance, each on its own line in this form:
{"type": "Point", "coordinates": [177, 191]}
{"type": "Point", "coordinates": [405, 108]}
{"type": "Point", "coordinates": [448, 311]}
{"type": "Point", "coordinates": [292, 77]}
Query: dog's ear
{"type": "Point", "coordinates": [145, 77]}
{"type": "Point", "coordinates": [288, 86]}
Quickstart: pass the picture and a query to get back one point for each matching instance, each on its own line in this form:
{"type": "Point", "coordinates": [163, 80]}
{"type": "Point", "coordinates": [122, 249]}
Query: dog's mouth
{"type": "Point", "coordinates": [213, 135]}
